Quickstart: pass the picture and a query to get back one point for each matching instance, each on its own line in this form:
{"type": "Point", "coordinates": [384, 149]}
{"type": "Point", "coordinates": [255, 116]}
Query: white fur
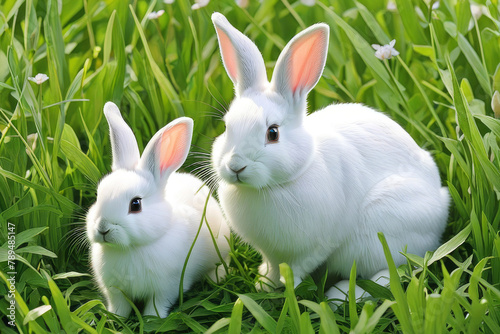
{"type": "Point", "coordinates": [333, 180]}
{"type": "Point", "coordinates": [143, 254]}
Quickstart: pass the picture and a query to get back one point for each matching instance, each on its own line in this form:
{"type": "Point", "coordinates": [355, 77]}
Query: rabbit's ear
{"type": "Point", "coordinates": [123, 142]}
{"type": "Point", "coordinates": [168, 149]}
{"type": "Point", "coordinates": [301, 62]}
{"type": "Point", "coordinates": [243, 62]}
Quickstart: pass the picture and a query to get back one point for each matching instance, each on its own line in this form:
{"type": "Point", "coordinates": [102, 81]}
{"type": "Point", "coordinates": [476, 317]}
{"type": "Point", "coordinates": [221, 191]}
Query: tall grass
{"type": "Point", "coordinates": [54, 148]}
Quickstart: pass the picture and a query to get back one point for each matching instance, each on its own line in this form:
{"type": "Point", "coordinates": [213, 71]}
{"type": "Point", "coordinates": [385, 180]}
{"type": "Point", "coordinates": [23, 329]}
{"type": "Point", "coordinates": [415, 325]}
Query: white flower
{"type": "Point", "coordinates": [477, 11]}
{"type": "Point", "coordinates": [168, 2]}
{"type": "Point", "coordinates": [495, 104]}
{"type": "Point", "coordinates": [39, 78]}
{"type": "Point", "coordinates": [242, 3]}
{"type": "Point", "coordinates": [435, 5]}
{"type": "Point", "coordinates": [199, 4]}
{"type": "Point", "coordinates": [155, 15]}
{"type": "Point", "coordinates": [391, 6]}
{"type": "Point", "coordinates": [309, 3]}
{"type": "Point", "coordinates": [31, 140]}
{"type": "Point", "coordinates": [385, 51]}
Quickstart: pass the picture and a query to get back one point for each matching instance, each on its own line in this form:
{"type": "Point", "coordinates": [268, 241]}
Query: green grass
{"type": "Point", "coordinates": [54, 148]}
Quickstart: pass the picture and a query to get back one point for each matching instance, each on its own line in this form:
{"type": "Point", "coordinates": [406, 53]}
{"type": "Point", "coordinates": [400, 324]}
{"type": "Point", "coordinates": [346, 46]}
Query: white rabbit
{"type": "Point", "coordinates": [314, 189]}
{"type": "Point", "coordinates": [146, 218]}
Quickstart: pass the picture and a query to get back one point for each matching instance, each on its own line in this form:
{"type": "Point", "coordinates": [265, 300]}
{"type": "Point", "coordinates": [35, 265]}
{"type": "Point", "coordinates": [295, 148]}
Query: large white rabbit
{"type": "Point", "coordinates": [314, 189]}
{"type": "Point", "coordinates": [146, 217]}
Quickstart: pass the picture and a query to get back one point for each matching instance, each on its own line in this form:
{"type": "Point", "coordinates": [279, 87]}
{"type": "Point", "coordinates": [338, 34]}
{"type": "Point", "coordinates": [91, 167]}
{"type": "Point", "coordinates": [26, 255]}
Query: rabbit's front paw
{"type": "Point", "coordinates": [118, 304]}
{"type": "Point", "coordinates": [264, 284]}
{"type": "Point", "coordinates": [156, 307]}
{"type": "Point", "coordinates": [269, 278]}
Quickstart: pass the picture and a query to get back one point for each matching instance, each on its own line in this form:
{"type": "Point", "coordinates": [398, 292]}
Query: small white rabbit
{"type": "Point", "coordinates": [146, 218]}
{"type": "Point", "coordinates": [313, 189]}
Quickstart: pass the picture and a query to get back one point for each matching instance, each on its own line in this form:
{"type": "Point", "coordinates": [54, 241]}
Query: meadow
{"type": "Point", "coordinates": [443, 88]}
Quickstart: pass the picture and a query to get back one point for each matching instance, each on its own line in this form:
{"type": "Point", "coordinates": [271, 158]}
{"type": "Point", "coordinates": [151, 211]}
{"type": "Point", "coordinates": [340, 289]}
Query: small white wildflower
{"type": "Point", "coordinates": [168, 2]}
{"type": "Point", "coordinates": [385, 51]}
{"type": "Point", "coordinates": [31, 140]}
{"type": "Point", "coordinates": [495, 104]}
{"type": "Point", "coordinates": [391, 6]}
{"type": "Point", "coordinates": [155, 15]}
{"type": "Point", "coordinates": [435, 5]}
{"type": "Point", "coordinates": [477, 11]}
{"type": "Point", "coordinates": [39, 78]}
{"type": "Point", "coordinates": [199, 4]}
{"type": "Point", "coordinates": [309, 3]}
{"type": "Point", "coordinates": [242, 3]}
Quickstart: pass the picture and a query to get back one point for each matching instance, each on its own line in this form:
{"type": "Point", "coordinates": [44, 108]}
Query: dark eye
{"type": "Point", "coordinates": [273, 134]}
{"type": "Point", "coordinates": [135, 205]}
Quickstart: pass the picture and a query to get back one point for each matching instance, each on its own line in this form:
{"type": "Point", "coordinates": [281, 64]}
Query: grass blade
{"type": "Point", "coordinates": [353, 312]}
{"type": "Point", "coordinates": [35, 313]}
{"type": "Point", "coordinates": [471, 132]}
{"type": "Point", "coordinates": [305, 324]}
{"type": "Point", "coordinates": [61, 306]}
{"type": "Point", "coordinates": [218, 325]}
{"type": "Point", "coordinates": [476, 64]}
{"type": "Point", "coordinates": [411, 23]}
{"type": "Point", "coordinates": [450, 245]}
{"type": "Point", "coordinates": [293, 306]}
{"type": "Point", "coordinates": [81, 161]}
{"type": "Point", "coordinates": [259, 313]}
{"type": "Point", "coordinates": [114, 40]}
{"type": "Point", "coordinates": [235, 322]}
{"type": "Point", "coordinates": [401, 307]}
{"type": "Point", "coordinates": [163, 82]}
{"type": "Point", "coordinates": [366, 52]}
{"type": "Point", "coordinates": [328, 323]}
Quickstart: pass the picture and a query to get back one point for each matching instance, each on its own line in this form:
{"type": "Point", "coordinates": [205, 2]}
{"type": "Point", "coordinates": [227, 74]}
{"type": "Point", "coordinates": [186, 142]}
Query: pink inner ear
{"type": "Point", "coordinates": [228, 54]}
{"type": "Point", "coordinates": [172, 147]}
{"type": "Point", "coordinates": [306, 61]}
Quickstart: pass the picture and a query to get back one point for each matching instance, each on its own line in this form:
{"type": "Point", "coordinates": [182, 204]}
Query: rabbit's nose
{"type": "Point", "coordinates": [237, 171]}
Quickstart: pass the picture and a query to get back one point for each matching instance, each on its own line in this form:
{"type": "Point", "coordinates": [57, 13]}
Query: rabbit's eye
{"type": "Point", "coordinates": [273, 134]}
{"type": "Point", "coordinates": [135, 205]}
